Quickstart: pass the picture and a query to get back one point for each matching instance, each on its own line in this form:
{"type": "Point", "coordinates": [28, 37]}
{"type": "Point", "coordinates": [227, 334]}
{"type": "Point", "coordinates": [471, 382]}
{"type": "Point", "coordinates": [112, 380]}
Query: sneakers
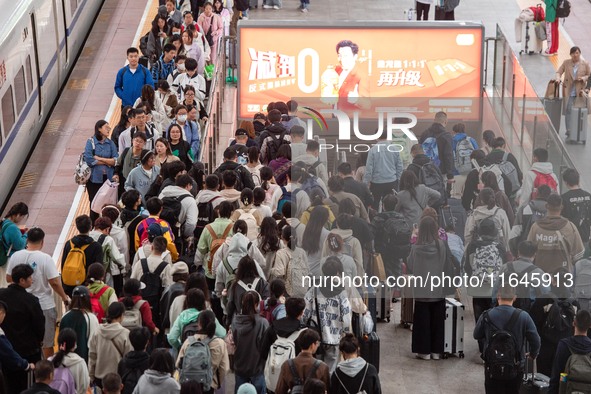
{"type": "Point", "coordinates": [304, 10]}
{"type": "Point", "coordinates": [423, 356]}
{"type": "Point", "coordinates": [435, 356]}
{"type": "Point", "coordinates": [276, 7]}
{"type": "Point", "coordinates": [546, 53]}
{"type": "Point", "coordinates": [267, 7]}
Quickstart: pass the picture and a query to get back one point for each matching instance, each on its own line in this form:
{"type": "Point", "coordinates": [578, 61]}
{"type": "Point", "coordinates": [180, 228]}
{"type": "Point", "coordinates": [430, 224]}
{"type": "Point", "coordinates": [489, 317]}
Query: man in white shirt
{"type": "Point", "coordinates": [46, 280]}
{"type": "Point", "coordinates": [139, 124]}
{"type": "Point", "coordinates": [191, 77]}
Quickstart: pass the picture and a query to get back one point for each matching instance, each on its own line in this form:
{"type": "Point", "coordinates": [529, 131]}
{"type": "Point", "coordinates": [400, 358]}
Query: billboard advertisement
{"type": "Point", "coordinates": [430, 66]}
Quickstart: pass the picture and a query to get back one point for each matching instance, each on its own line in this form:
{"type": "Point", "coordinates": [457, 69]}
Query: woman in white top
{"type": "Point", "coordinates": [259, 200]}
{"type": "Point", "coordinates": [121, 239]}
{"type": "Point", "coordinates": [192, 47]}
{"type": "Point", "coordinates": [157, 109]}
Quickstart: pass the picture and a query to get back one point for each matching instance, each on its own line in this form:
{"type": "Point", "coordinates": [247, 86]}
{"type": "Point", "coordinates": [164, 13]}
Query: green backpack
{"type": "Point", "coordinates": [578, 369]}
{"type": "Point", "coordinates": [4, 251]}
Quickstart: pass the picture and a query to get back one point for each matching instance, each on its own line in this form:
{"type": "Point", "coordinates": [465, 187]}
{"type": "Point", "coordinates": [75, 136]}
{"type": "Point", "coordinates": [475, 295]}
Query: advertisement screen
{"type": "Point", "coordinates": [422, 64]}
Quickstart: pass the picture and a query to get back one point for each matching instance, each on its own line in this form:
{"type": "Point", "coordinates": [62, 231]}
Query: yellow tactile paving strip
{"type": "Point", "coordinates": [84, 205]}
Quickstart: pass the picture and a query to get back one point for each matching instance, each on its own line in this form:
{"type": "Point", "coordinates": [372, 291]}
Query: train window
{"type": "Point", "coordinates": [7, 110]}
{"type": "Point", "coordinates": [29, 73]}
{"type": "Point", "coordinates": [73, 6]}
{"type": "Point", "coordinates": [20, 92]}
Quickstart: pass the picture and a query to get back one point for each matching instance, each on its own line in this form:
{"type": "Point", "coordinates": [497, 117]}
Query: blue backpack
{"type": "Point", "coordinates": [431, 150]}
{"type": "Point", "coordinates": [286, 196]}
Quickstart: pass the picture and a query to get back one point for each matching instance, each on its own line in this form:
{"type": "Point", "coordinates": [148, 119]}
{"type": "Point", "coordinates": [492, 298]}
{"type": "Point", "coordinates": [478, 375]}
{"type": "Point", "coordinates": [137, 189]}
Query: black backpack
{"type": "Point", "coordinates": [153, 290]}
{"type": "Point", "coordinates": [130, 379]}
{"type": "Point", "coordinates": [502, 359]}
{"type": "Point", "coordinates": [274, 145]}
{"type": "Point", "coordinates": [430, 176]}
{"type": "Point", "coordinates": [171, 210]}
{"type": "Point", "coordinates": [144, 43]}
{"type": "Point", "coordinates": [559, 320]}
{"type": "Point", "coordinates": [391, 232]}
{"type": "Point", "coordinates": [522, 292]}
{"type": "Point", "coordinates": [563, 9]}
{"type": "Point", "coordinates": [206, 215]}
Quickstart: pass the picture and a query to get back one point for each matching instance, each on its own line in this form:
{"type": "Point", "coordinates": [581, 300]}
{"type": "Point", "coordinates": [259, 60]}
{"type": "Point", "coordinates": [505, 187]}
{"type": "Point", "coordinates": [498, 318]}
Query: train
{"type": "Point", "coordinates": [39, 43]}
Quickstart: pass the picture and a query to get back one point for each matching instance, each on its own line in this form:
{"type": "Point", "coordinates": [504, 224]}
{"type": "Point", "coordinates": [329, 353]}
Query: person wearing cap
{"type": "Point", "coordinates": [259, 122]}
{"type": "Point", "coordinates": [9, 358]}
{"type": "Point", "coordinates": [240, 132]}
{"type": "Point", "coordinates": [143, 234]}
{"type": "Point", "coordinates": [46, 281]}
{"type": "Point", "coordinates": [142, 177]}
{"type": "Point", "coordinates": [23, 325]}
{"type": "Point", "coordinates": [109, 345]}
{"type": "Point", "coordinates": [81, 319]}
{"type": "Point", "coordinates": [241, 144]}
{"type": "Point", "coordinates": [180, 274]}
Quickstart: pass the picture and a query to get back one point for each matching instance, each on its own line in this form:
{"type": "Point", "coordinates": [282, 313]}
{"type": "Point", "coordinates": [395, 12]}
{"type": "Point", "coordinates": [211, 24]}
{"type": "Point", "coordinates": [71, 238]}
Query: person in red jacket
{"type": "Point", "coordinates": [131, 292]}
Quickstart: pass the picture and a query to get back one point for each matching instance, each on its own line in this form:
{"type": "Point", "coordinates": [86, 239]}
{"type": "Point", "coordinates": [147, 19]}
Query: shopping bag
{"type": "Point", "coordinates": [377, 267]}
{"type": "Point", "coordinates": [552, 90]}
{"type": "Point", "coordinates": [208, 71]}
{"type": "Point", "coordinates": [107, 195]}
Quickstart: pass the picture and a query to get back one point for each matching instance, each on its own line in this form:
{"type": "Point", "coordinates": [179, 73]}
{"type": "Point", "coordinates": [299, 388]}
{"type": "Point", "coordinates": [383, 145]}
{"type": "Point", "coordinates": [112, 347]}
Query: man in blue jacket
{"type": "Point", "coordinates": [132, 78]}
{"type": "Point", "coordinates": [10, 359]}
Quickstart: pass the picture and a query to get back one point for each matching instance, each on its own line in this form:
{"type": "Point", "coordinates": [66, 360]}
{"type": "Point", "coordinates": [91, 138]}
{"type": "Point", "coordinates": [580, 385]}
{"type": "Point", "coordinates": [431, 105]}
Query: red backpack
{"type": "Point", "coordinates": [543, 179]}
{"type": "Point", "coordinates": [539, 14]}
{"type": "Point", "coordinates": [95, 302]}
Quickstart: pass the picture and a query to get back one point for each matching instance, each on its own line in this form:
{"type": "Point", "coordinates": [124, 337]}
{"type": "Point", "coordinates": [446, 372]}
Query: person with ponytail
{"type": "Point", "coordinates": [108, 346]}
{"type": "Point", "coordinates": [206, 331]}
{"type": "Point", "coordinates": [291, 264]}
{"type": "Point", "coordinates": [259, 202]}
{"type": "Point", "coordinates": [97, 288]}
{"type": "Point", "coordinates": [488, 209]}
{"type": "Point", "coordinates": [67, 358]}
{"type": "Point", "coordinates": [268, 183]}
{"type": "Point", "coordinates": [245, 211]}
{"type": "Point", "coordinates": [315, 236]}
{"type": "Point", "coordinates": [273, 308]}
{"type": "Point", "coordinates": [247, 276]}
{"type": "Point", "coordinates": [248, 329]}
{"type": "Point", "coordinates": [335, 246]}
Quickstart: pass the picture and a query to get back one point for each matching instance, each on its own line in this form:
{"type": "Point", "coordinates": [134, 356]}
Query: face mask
{"type": "Point", "coordinates": [181, 67]}
{"type": "Point", "coordinates": [182, 118]}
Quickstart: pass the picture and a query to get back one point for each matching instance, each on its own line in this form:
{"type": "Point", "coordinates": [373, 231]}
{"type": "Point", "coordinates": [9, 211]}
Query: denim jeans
{"type": "Point", "coordinates": [567, 112]}
{"type": "Point", "coordinates": [257, 381]}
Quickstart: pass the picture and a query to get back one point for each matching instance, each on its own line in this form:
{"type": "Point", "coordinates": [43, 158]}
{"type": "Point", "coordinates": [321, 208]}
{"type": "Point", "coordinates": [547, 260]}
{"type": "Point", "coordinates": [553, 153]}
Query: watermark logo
{"type": "Point", "coordinates": [316, 116]}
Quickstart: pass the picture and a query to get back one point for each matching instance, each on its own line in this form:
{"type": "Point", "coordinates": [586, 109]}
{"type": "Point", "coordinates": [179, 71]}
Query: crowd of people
{"type": "Point", "coordinates": [186, 276]}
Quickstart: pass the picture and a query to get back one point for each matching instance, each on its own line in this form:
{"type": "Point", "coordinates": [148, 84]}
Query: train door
{"type": "Point", "coordinates": [35, 71]}
{"type": "Point", "coordinates": [62, 38]}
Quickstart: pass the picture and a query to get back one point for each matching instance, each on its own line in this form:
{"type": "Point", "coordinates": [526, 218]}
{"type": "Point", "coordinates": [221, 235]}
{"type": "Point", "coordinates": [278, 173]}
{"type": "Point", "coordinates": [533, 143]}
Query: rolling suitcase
{"type": "Point", "coordinates": [553, 104]}
{"type": "Point", "coordinates": [530, 43]}
{"type": "Point", "coordinates": [453, 214]}
{"type": "Point", "coordinates": [454, 328]}
{"type": "Point", "coordinates": [383, 302]}
{"type": "Point", "coordinates": [407, 310]}
{"type": "Point", "coordinates": [370, 349]}
{"type": "Point", "coordinates": [534, 383]}
{"type": "Point", "coordinates": [578, 124]}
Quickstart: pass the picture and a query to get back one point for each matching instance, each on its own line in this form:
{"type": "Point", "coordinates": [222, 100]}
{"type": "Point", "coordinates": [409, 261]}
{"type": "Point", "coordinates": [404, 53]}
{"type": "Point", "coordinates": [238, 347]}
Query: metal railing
{"type": "Point", "coordinates": [514, 99]}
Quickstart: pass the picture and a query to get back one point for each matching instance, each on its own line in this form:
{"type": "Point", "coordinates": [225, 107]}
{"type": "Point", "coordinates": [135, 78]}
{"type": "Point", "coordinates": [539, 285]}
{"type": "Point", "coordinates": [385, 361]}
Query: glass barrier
{"type": "Point", "coordinates": [527, 122]}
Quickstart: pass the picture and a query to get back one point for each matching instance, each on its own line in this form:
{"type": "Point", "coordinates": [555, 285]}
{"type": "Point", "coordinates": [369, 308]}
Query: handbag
{"type": "Point", "coordinates": [208, 71]}
{"type": "Point", "coordinates": [82, 172]}
{"type": "Point", "coordinates": [377, 267]}
{"type": "Point", "coordinates": [552, 90]}
{"type": "Point", "coordinates": [106, 195]}
{"type": "Point", "coordinates": [230, 345]}
{"type": "Point", "coordinates": [540, 29]}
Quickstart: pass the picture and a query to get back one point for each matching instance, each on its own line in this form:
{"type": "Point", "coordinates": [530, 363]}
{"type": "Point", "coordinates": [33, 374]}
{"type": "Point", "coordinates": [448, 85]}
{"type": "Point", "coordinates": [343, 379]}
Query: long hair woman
{"type": "Point", "coordinates": [314, 237]}
{"type": "Point", "coordinates": [66, 357]}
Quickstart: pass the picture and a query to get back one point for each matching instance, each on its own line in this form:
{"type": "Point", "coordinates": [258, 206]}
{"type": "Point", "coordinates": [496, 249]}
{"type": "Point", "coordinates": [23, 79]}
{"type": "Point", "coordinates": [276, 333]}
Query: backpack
{"type": "Point", "coordinates": [563, 9]}
{"type": "Point", "coordinates": [523, 297]}
{"type": "Point", "coordinates": [578, 369]}
{"type": "Point", "coordinates": [274, 145]}
{"type": "Point", "coordinates": [74, 269]}
{"type": "Point", "coordinates": [144, 43]}
{"type": "Point", "coordinates": [495, 169]}
{"type": "Point", "coordinates": [431, 150]}
{"type": "Point", "coordinates": [153, 290]}
{"type": "Point", "coordinates": [130, 379]}
{"type": "Point", "coordinates": [543, 179]}
{"type": "Point", "coordinates": [536, 215]}
{"type": "Point", "coordinates": [251, 222]}
{"type": "Point", "coordinates": [559, 320]}
{"type": "Point", "coordinates": [311, 187]}
{"type": "Point", "coordinates": [296, 269]}
{"type": "Point", "coordinates": [132, 317]}
{"type": "Point", "coordinates": [95, 302]}
{"type": "Point", "coordinates": [538, 11]}
{"type": "Point", "coordinates": [492, 218]}
{"type": "Point", "coordinates": [196, 364]}
{"type": "Point", "coordinates": [216, 243]}
{"type": "Point", "coordinates": [298, 383]}
{"type": "Point", "coordinates": [63, 381]}
{"type": "Point", "coordinates": [391, 232]}
{"type": "Point", "coordinates": [82, 171]}
{"type": "Point", "coordinates": [171, 210]}
{"type": "Point", "coordinates": [360, 389]}
{"type": "Point", "coordinates": [4, 251]}
{"type": "Point", "coordinates": [312, 169]}
{"type": "Point", "coordinates": [583, 283]}
{"type": "Point", "coordinates": [189, 330]}
{"type": "Point", "coordinates": [281, 350]}
{"type": "Point", "coordinates": [430, 176]}
{"type": "Point", "coordinates": [286, 196]}
{"type": "Point", "coordinates": [508, 169]}
{"type": "Point", "coordinates": [464, 149]}
{"type": "Point", "coordinates": [206, 215]}
{"type": "Point", "coordinates": [502, 360]}
{"type": "Point", "coordinates": [251, 286]}
{"type": "Point", "coordinates": [485, 261]}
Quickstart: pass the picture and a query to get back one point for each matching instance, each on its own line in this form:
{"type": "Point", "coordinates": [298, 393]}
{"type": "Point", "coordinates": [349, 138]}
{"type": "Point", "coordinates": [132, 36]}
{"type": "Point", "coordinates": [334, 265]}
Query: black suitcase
{"type": "Point", "coordinates": [453, 214]}
{"type": "Point", "coordinates": [370, 349]}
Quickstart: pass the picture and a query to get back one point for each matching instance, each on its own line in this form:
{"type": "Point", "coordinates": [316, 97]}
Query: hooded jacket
{"type": "Point", "coordinates": [107, 347]}
{"type": "Point", "coordinates": [189, 316]}
{"type": "Point", "coordinates": [94, 252]}
{"type": "Point", "coordinates": [411, 207]}
{"type": "Point", "coordinates": [233, 250]}
{"type": "Point", "coordinates": [266, 137]}
{"type": "Point", "coordinates": [140, 180]}
{"type": "Point", "coordinates": [427, 260]}
{"type": "Point", "coordinates": [133, 361]}
{"type": "Point", "coordinates": [280, 328]}
{"type": "Point", "coordinates": [351, 247]}
{"type": "Point", "coordinates": [206, 195]}
{"type": "Point", "coordinates": [580, 344]}
{"type": "Point", "coordinates": [497, 214]}
{"type": "Point", "coordinates": [303, 364]}
{"type": "Point", "coordinates": [331, 303]}
{"type": "Point", "coordinates": [79, 371]}
{"type": "Point", "coordinates": [231, 195]}
{"type": "Point", "coordinates": [220, 362]}
{"type": "Point", "coordinates": [235, 293]}
{"type": "Point", "coordinates": [353, 375]}
{"type": "Point", "coordinates": [248, 332]}
{"type": "Point", "coordinates": [503, 202]}
{"type": "Point", "coordinates": [154, 382]}
{"type": "Point", "coordinates": [188, 214]}
{"type": "Point", "coordinates": [245, 175]}
{"type": "Point", "coordinates": [527, 188]}
{"type": "Point", "coordinates": [552, 252]}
